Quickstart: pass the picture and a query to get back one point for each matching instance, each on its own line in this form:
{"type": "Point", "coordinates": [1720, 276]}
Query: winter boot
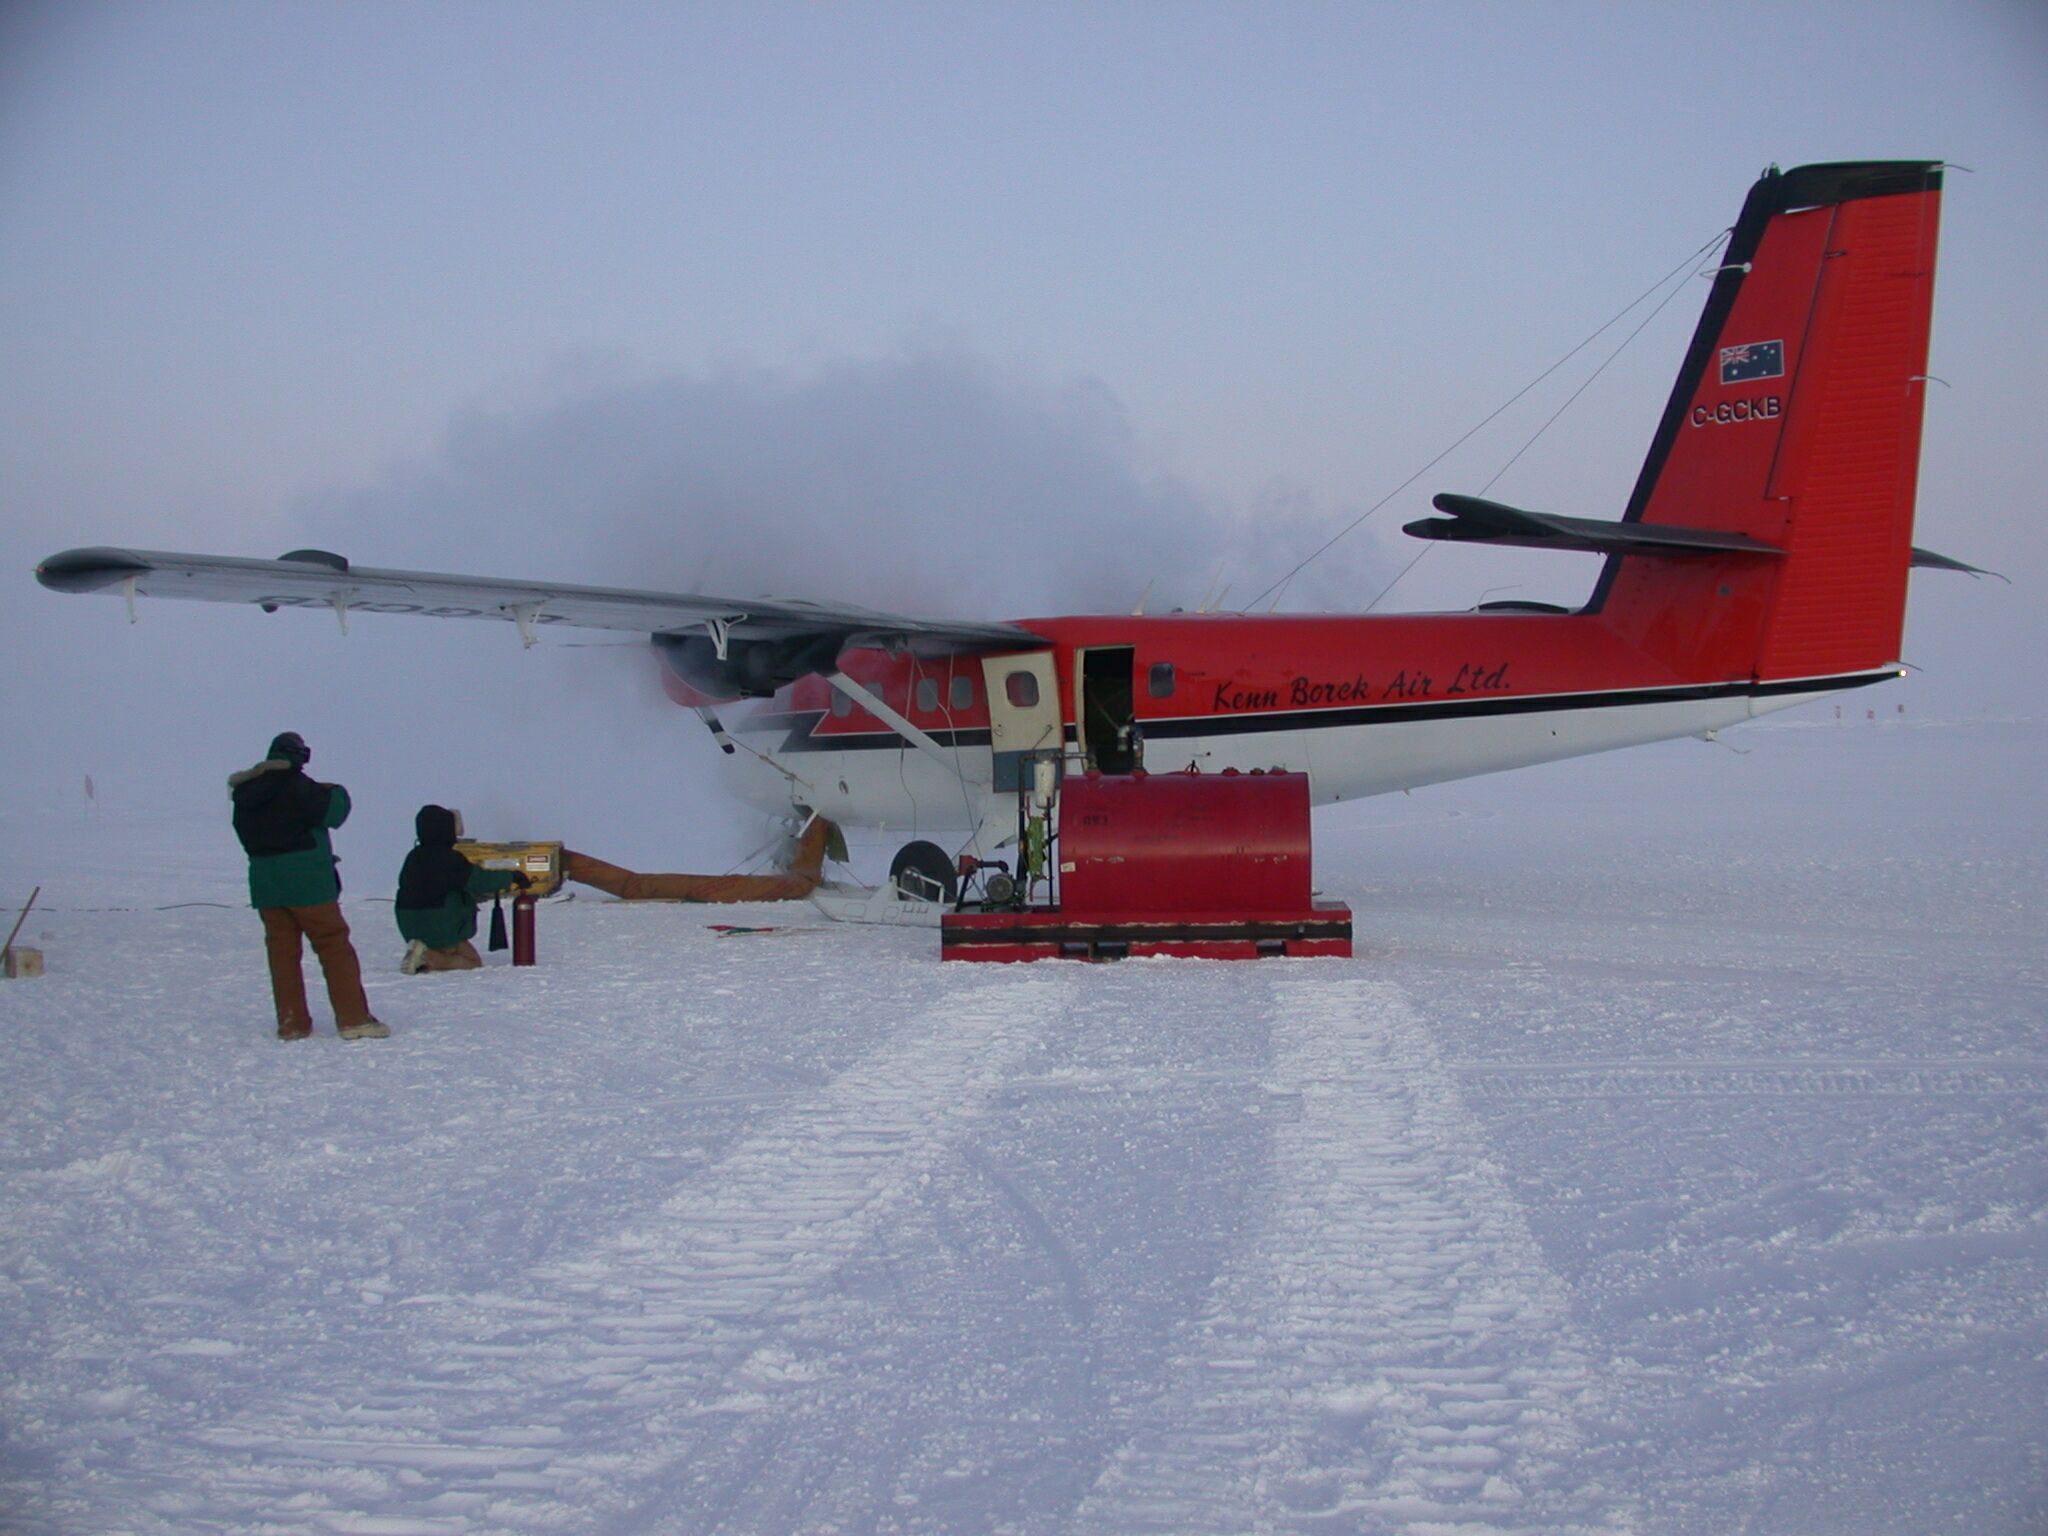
{"type": "Point", "coordinates": [369, 1029]}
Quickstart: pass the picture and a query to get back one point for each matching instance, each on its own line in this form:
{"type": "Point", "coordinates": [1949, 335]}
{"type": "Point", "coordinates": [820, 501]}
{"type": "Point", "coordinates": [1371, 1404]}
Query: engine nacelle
{"type": "Point", "coordinates": [750, 669]}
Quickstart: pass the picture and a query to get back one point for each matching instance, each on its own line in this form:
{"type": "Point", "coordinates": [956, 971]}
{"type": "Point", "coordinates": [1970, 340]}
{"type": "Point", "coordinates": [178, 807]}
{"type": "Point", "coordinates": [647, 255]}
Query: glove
{"type": "Point", "coordinates": [519, 879]}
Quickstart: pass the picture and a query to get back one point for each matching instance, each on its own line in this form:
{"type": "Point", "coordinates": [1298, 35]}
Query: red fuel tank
{"type": "Point", "coordinates": [1234, 843]}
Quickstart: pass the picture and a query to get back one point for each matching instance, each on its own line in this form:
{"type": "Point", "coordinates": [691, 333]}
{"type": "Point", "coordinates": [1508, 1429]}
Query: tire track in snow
{"type": "Point", "coordinates": [1520, 1081]}
{"type": "Point", "coordinates": [662, 1364]}
{"type": "Point", "coordinates": [1391, 1352]}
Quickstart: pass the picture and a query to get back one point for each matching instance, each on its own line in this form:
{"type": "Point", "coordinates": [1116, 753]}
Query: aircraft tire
{"type": "Point", "coordinates": [927, 861]}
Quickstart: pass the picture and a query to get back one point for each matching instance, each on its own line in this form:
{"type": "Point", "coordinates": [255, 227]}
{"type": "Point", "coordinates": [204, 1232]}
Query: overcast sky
{"type": "Point", "coordinates": [979, 309]}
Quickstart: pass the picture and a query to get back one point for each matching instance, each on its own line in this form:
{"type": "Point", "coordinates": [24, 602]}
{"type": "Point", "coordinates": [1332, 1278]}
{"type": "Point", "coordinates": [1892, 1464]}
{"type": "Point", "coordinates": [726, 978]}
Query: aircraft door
{"type": "Point", "coordinates": [1023, 713]}
{"type": "Point", "coordinates": [1104, 709]}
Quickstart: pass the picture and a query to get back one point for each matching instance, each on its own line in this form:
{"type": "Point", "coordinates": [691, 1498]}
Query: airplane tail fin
{"type": "Point", "coordinates": [1795, 423]}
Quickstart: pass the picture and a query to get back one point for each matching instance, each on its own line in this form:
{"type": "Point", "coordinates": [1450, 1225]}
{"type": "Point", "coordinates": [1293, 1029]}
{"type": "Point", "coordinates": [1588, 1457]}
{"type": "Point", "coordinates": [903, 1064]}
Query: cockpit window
{"type": "Point", "coordinates": [842, 706]}
{"type": "Point", "coordinates": [962, 692]}
{"type": "Point", "coordinates": [1159, 682]}
{"type": "Point", "coordinates": [927, 694]}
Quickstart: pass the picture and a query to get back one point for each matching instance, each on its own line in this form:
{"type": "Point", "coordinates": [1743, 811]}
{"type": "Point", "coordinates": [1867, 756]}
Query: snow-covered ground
{"type": "Point", "coordinates": [1670, 1159]}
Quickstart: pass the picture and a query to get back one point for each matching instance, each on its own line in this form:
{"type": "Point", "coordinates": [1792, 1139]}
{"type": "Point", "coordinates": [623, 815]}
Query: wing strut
{"type": "Point", "coordinates": [873, 704]}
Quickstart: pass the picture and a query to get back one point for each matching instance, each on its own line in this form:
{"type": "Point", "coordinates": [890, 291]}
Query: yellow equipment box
{"type": "Point", "coordinates": [541, 863]}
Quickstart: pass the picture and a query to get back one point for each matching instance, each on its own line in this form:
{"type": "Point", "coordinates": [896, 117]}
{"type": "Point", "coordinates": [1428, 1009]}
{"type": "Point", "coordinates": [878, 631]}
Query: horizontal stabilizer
{"type": "Point", "coordinates": [1928, 560]}
{"type": "Point", "coordinates": [1472, 520]}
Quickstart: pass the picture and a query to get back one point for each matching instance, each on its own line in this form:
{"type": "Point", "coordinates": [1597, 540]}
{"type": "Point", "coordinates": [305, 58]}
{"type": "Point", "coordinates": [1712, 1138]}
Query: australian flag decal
{"type": "Point", "coordinates": [1757, 360]}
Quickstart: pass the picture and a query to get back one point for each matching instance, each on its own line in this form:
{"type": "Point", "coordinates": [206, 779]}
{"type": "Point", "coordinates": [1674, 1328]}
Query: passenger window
{"type": "Point", "coordinates": [1160, 683]}
{"type": "Point", "coordinates": [962, 692]}
{"type": "Point", "coordinates": [927, 694]}
{"type": "Point", "coordinates": [842, 706]}
{"type": "Point", "coordinates": [1021, 689]}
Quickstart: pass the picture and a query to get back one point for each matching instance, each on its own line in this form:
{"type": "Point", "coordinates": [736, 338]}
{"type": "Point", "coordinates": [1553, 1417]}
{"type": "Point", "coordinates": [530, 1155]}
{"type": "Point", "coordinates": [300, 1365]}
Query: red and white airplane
{"type": "Point", "coordinates": [1760, 563]}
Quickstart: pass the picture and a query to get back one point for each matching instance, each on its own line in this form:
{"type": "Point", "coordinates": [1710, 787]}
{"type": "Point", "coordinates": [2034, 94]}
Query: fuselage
{"type": "Point", "coordinates": [1361, 704]}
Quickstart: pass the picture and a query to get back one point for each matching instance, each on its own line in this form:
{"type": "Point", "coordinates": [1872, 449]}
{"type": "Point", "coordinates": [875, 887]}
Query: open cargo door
{"type": "Point", "coordinates": [1023, 713]}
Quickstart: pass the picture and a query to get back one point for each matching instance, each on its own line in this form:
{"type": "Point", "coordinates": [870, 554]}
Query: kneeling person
{"type": "Point", "coordinates": [438, 890]}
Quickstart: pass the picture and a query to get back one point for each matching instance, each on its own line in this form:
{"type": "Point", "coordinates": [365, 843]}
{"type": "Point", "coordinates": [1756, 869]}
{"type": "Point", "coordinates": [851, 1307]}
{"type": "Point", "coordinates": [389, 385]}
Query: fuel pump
{"type": "Point", "coordinates": [1036, 802]}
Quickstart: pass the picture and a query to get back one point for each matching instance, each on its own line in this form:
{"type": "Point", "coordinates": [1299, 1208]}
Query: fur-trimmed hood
{"type": "Point", "coordinates": [251, 775]}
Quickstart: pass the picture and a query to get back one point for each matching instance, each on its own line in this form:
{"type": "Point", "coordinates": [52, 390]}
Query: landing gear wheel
{"type": "Point", "coordinates": [922, 872]}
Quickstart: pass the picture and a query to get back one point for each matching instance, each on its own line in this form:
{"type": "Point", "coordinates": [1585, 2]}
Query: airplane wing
{"type": "Point", "coordinates": [316, 579]}
{"type": "Point", "coordinates": [728, 645]}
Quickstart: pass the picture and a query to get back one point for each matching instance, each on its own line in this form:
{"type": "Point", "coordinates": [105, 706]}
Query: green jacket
{"type": "Point", "coordinates": [447, 925]}
{"type": "Point", "coordinates": [282, 818]}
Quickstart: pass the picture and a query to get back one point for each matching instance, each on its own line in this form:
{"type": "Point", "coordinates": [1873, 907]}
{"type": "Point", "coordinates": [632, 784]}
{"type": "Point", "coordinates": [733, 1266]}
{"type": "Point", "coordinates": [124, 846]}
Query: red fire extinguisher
{"type": "Point", "coordinates": [522, 929]}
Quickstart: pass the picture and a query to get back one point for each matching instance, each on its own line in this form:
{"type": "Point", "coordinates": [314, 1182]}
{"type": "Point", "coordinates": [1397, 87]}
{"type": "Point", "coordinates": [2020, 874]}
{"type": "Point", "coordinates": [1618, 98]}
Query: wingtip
{"type": "Point", "coordinates": [89, 570]}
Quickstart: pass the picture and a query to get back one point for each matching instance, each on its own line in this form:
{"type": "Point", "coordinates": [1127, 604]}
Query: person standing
{"type": "Point", "coordinates": [438, 890]}
{"type": "Point", "coordinates": [282, 818]}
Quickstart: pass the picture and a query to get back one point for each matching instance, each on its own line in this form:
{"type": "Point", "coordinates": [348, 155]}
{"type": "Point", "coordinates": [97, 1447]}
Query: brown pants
{"type": "Point", "coordinates": [328, 931]}
{"type": "Point", "coordinates": [457, 957]}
